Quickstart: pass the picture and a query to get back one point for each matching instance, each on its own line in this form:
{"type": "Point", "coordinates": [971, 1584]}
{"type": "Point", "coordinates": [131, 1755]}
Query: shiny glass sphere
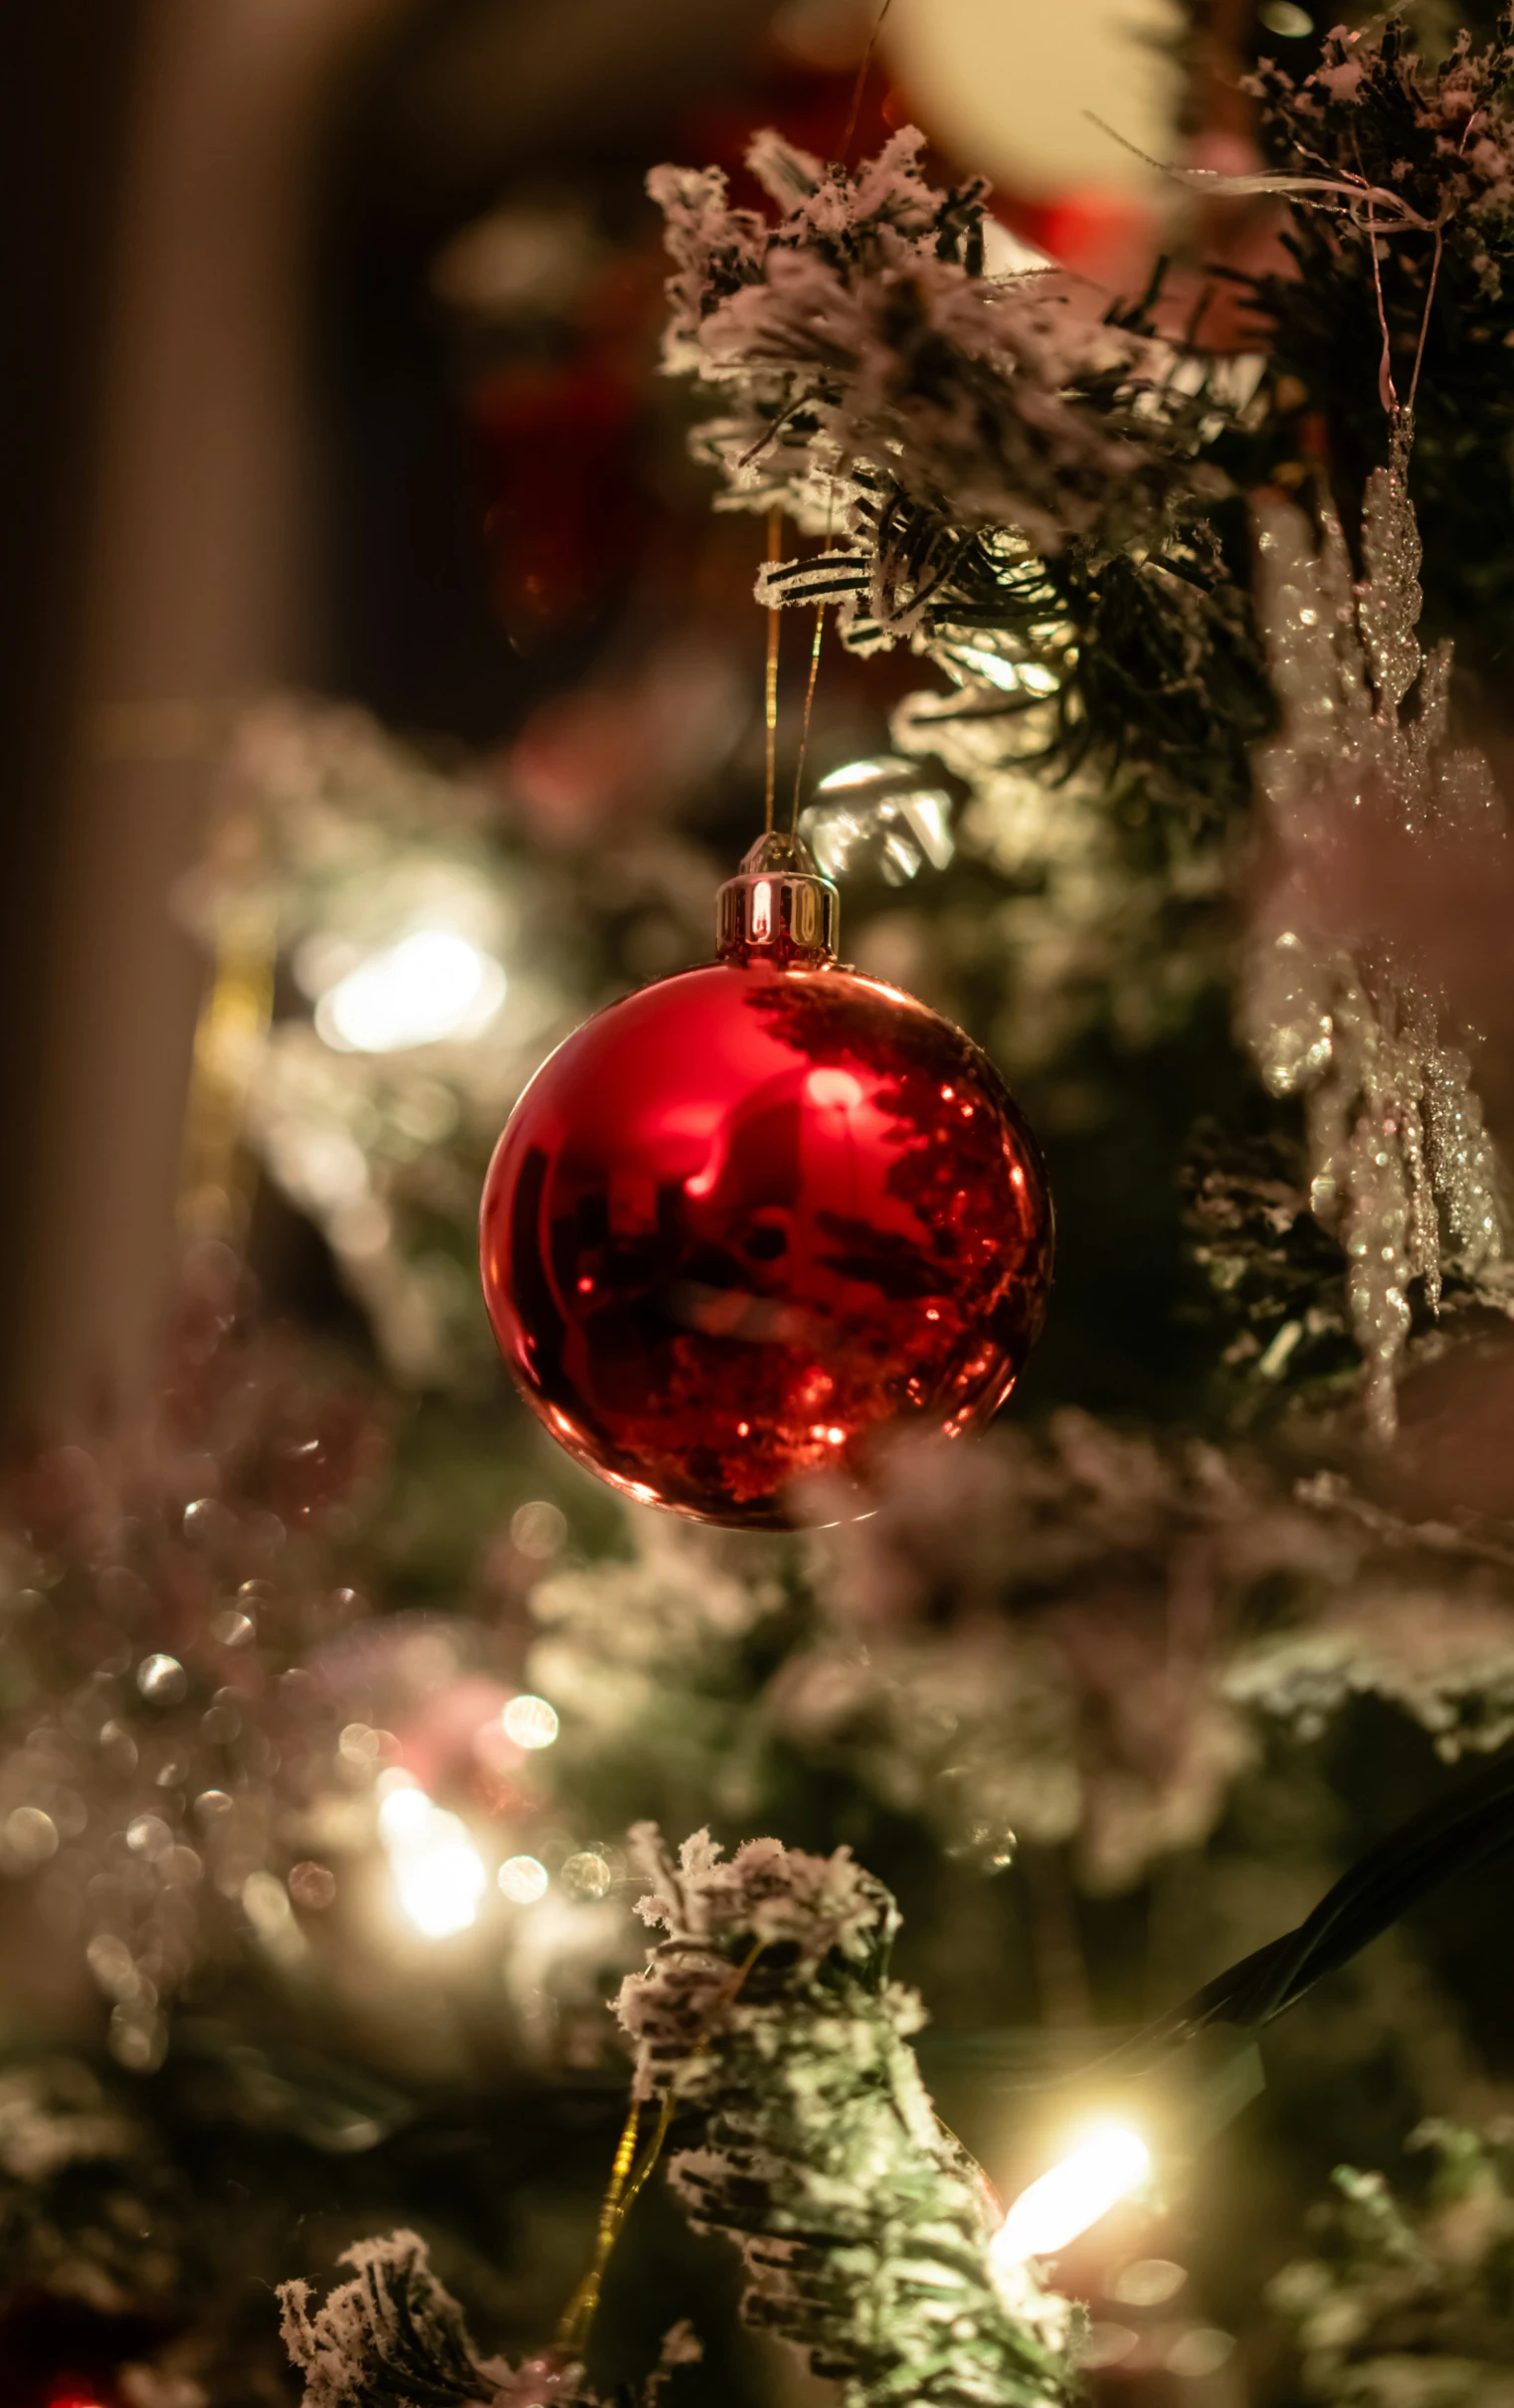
{"type": "Point", "coordinates": [746, 1220]}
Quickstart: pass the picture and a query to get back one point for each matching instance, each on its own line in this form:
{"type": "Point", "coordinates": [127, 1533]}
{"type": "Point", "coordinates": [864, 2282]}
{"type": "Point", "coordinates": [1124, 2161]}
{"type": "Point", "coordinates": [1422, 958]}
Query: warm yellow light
{"type": "Point", "coordinates": [1105, 2169]}
{"type": "Point", "coordinates": [437, 1872]}
{"type": "Point", "coordinates": [439, 1884]}
{"type": "Point", "coordinates": [431, 985]}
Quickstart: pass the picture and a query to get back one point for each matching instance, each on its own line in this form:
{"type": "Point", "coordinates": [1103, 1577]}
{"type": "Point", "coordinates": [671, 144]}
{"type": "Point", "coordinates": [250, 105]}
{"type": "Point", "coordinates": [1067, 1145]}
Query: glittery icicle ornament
{"type": "Point", "coordinates": [1401, 1165]}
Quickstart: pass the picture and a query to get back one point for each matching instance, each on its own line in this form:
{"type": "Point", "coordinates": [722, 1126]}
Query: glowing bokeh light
{"type": "Point", "coordinates": [523, 1880]}
{"type": "Point", "coordinates": [438, 1874]}
{"type": "Point", "coordinates": [530, 1722]}
{"type": "Point", "coordinates": [402, 1815]}
{"type": "Point", "coordinates": [1105, 2169]}
{"type": "Point", "coordinates": [430, 985]}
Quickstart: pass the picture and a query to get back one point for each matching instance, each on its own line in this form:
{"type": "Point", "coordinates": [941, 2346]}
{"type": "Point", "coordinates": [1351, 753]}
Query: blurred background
{"type": "Point", "coordinates": [337, 331]}
{"type": "Point", "coordinates": [381, 693]}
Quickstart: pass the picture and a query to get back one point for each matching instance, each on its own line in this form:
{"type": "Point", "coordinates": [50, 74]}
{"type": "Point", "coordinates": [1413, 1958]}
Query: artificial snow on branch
{"type": "Point", "coordinates": [766, 2012]}
{"type": "Point", "coordinates": [1398, 2306]}
{"type": "Point", "coordinates": [998, 467]}
{"type": "Point", "coordinates": [1004, 477]}
{"type": "Point", "coordinates": [395, 2337]}
{"type": "Point", "coordinates": [1351, 313]}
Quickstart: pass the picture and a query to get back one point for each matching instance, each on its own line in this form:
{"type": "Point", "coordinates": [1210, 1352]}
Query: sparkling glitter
{"type": "Point", "coordinates": [138, 2037]}
{"type": "Point", "coordinates": [117, 1748]}
{"type": "Point", "coordinates": [208, 1524]}
{"type": "Point", "coordinates": [28, 1837]}
{"type": "Point", "coordinates": [113, 1966]}
{"type": "Point", "coordinates": [1401, 1165]}
{"type": "Point", "coordinates": [587, 1874]}
{"type": "Point", "coordinates": [162, 1680]}
{"type": "Point", "coordinates": [149, 1835]}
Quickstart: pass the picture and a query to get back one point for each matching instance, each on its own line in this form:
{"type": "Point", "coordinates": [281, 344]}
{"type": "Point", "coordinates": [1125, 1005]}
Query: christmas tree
{"type": "Point", "coordinates": [573, 1952]}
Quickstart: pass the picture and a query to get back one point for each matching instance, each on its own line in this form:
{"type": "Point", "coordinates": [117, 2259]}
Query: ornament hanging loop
{"type": "Point", "coordinates": [779, 908]}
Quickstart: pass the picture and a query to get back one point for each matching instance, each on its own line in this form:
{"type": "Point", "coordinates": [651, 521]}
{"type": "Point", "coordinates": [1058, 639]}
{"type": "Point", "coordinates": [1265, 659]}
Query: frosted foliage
{"type": "Point", "coordinates": [816, 328]}
{"type": "Point", "coordinates": [80, 2184]}
{"type": "Point", "coordinates": [1083, 934]}
{"type": "Point", "coordinates": [394, 2338]}
{"type": "Point", "coordinates": [1410, 2308]}
{"type": "Point", "coordinates": [1033, 1635]}
{"type": "Point", "coordinates": [767, 2006]}
{"type": "Point", "coordinates": [331, 845]}
{"type": "Point", "coordinates": [158, 1591]}
{"type": "Point", "coordinates": [1060, 1636]}
{"type": "Point", "coordinates": [616, 1635]}
{"type": "Point", "coordinates": [995, 469]}
{"type": "Point", "coordinates": [1415, 1613]}
{"type": "Point", "coordinates": [1446, 1660]}
{"type": "Point", "coordinates": [1401, 1165]}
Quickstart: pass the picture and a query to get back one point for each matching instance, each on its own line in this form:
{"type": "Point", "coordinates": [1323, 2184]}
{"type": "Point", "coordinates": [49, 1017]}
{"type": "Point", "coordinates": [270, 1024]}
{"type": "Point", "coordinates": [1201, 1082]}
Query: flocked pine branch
{"type": "Point", "coordinates": [1022, 484]}
{"type": "Point", "coordinates": [1440, 139]}
{"type": "Point", "coordinates": [1066, 1634]}
{"type": "Point", "coordinates": [1404, 2305]}
{"type": "Point", "coordinates": [767, 2020]}
{"type": "Point", "coordinates": [1006, 480]}
{"type": "Point", "coordinates": [1045, 505]}
{"type": "Point", "coordinates": [395, 2337]}
{"type": "Point", "coordinates": [767, 2011]}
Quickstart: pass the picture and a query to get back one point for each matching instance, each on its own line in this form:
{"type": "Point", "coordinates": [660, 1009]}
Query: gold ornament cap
{"type": "Point", "coordinates": [779, 908]}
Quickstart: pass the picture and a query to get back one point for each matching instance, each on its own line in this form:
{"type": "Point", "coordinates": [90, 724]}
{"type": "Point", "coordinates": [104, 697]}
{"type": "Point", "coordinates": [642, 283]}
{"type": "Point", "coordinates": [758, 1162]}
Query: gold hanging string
{"type": "Point", "coordinates": [820, 630]}
{"type": "Point", "coordinates": [624, 2188]}
{"type": "Point", "coordinates": [860, 86]}
{"type": "Point", "coordinates": [653, 2152]}
{"type": "Point", "coordinates": [770, 702]}
{"type": "Point", "coordinates": [578, 2315]}
{"type": "Point", "coordinates": [803, 732]}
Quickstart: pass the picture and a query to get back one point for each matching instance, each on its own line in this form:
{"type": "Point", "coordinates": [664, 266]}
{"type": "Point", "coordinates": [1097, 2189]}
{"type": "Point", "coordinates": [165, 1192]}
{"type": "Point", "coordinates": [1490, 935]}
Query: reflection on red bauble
{"type": "Point", "coordinates": [751, 1217]}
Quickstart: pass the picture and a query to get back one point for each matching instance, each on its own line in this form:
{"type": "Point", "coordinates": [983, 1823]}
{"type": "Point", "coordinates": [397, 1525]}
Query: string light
{"type": "Point", "coordinates": [1064, 2202]}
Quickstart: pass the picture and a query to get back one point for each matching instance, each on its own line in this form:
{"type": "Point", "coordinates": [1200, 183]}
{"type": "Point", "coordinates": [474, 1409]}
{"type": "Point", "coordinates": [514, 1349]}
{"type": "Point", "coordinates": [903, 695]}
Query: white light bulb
{"type": "Point", "coordinates": [1107, 2168]}
{"type": "Point", "coordinates": [429, 986]}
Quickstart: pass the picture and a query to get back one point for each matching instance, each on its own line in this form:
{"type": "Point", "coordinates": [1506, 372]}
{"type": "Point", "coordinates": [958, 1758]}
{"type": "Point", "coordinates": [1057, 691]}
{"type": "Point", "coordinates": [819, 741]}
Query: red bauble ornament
{"type": "Point", "coordinates": [746, 1220]}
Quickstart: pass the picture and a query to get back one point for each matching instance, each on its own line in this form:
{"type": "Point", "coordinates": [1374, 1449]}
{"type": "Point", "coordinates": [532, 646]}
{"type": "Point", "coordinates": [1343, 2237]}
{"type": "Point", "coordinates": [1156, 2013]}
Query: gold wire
{"type": "Point", "coordinates": [859, 85]}
{"type": "Point", "coordinates": [578, 2315]}
{"type": "Point", "coordinates": [819, 628]}
{"type": "Point", "coordinates": [654, 2151]}
{"type": "Point", "coordinates": [621, 2193]}
{"type": "Point", "coordinates": [804, 733]}
{"type": "Point", "coordinates": [775, 537]}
